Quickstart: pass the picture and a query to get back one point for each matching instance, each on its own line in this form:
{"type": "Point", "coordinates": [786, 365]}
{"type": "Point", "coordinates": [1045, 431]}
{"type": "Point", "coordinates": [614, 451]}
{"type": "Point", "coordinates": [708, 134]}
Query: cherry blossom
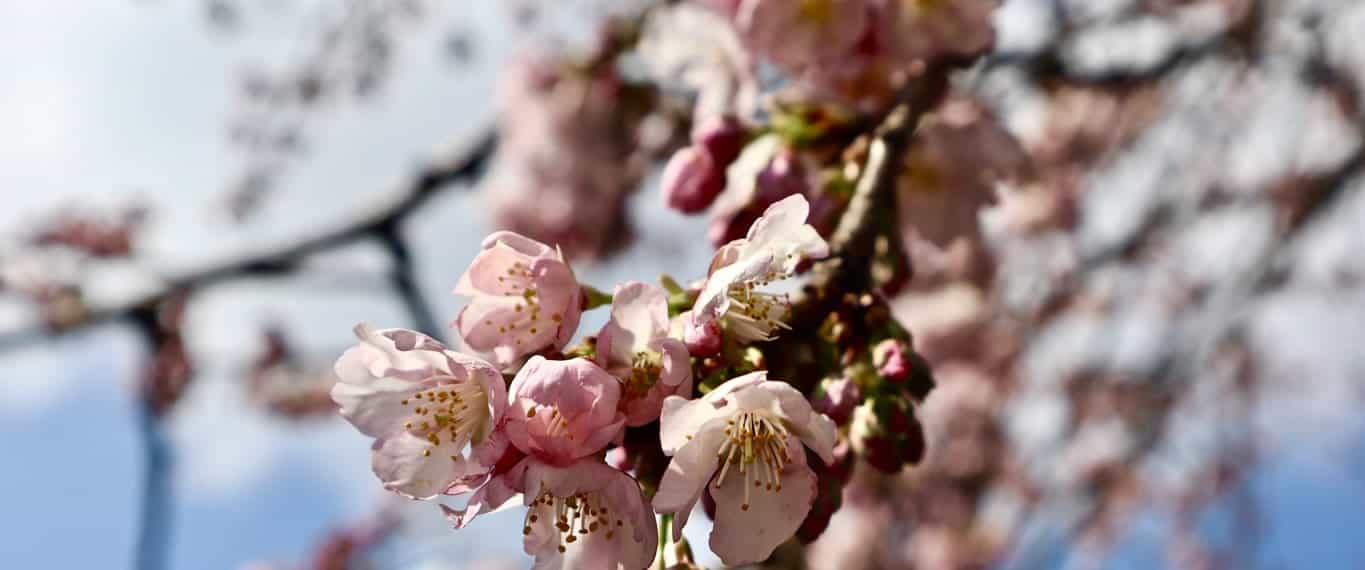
{"type": "Point", "coordinates": [742, 443]}
{"type": "Point", "coordinates": [582, 515]}
{"type": "Point", "coordinates": [563, 410]}
{"type": "Point", "coordinates": [423, 403]}
{"type": "Point", "coordinates": [523, 298]}
{"type": "Point", "coordinates": [775, 244]}
{"type": "Point", "coordinates": [634, 346]}
{"type": "Point", "coordinates": [804, 33]}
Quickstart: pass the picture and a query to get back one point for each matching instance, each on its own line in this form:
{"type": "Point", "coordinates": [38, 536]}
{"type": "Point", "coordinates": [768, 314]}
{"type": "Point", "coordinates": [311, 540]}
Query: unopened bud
{"type": "Point", "coordinates": [885, 433]}
{"type": "Point", "coordinates": [784, 176]}
{"type": "Point", "coordinates": [691, 180]}
{"type": "Point", "coordinates": [837, 397]}
{"type": "Point", "coordinates": [702, 339]}
{"type": "Point", "coordinates": [721, 137]}
{"type": "Point", "coordinates": [891, 360]}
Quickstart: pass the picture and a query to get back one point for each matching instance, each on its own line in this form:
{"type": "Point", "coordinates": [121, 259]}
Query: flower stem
{"type": "Point", "coordinates": [592, 298]}
{"type": "Point", "coordinates": [665, 531]}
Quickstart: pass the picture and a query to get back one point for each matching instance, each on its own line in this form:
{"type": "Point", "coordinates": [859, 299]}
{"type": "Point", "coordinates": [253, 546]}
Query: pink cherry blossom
{"type": "Point", "coordinates": [423, 403]}
{"type": "Point", "coordinates": [634, 346]}
{"type": "Point", "coordinates": [523, 298]}
{"type": "Point", "coordinates": [797, 34]}
{"type": "Point", "coordinates": [563, 410]}
{"type": "Point", "coordinates": [584, 515]}
{"type": "Point", "coordinates": [742, 444]}
{"type": "Point", "coordinates": [919, 29]}
{"type": "Point", "coordinates": [775, 244]}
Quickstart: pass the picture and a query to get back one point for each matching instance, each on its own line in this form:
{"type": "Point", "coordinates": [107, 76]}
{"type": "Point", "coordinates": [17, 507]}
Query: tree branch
{"type": "Point", "coordinates": [852, 246]}
{"type": "Point", "coordinates": [384, 218]}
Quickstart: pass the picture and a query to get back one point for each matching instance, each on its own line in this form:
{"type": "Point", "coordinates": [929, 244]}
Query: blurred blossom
{"type": "Point", "coordinates": [691, 180]}
{"type": "Point", "coordinates": [691, 47]}
{"type": "Point", "coordinates": [836, 398]}
{"type": "Point", "coordinates": [569, 145]}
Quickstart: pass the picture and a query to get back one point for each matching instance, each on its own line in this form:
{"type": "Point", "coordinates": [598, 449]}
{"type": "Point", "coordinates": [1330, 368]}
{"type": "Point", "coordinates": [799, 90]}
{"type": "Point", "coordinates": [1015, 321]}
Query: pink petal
{"type": "Point", "coordinates": [681, 417]}
{"type": "Point", "coordinates": [677, 364]}
{"type": "Point", "coordinates": [688, 473]}
{"type": "Point", "coordinates": [815, 429]}
{"type": "Point", "coordinates": [375, 408]}
{"type": "Point", "coordinates": [496, 495]}
{"type": "Point", "coordinates": [632, 547]}
{"type": "Point", "coordinates": [498, 270]}
{"type": "Point", "coordinates": [402, 463]}
{"type": "Point", "coordinates": [747, 536]}
{"type": "Point", "coordinates": [639, 314]}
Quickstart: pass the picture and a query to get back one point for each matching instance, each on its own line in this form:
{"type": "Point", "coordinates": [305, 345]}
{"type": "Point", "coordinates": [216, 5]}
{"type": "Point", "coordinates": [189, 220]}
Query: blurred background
{"type": "Point", "coordinates": [1159, 331]}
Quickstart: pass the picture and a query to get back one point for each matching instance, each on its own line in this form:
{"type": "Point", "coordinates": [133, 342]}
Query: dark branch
{"type": "Point", "coordinates": [381, 219]}
{"type": "Point", "coordinates": [853, 244]}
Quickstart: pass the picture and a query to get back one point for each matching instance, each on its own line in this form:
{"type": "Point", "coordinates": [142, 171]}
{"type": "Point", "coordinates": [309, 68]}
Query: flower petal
{"type": "Point", "coordinates": [498, 494]}
{"type": "Point", "coordinates": [689, 472]}
{"type": "Point", "coordinates": [631, 544]}
{"type": "Point", "coordinates": [375, 408]}
{"type": "Point", "coordinates": [747, 536]}
{"type": "Point", "coordinates": [677, 364]}
{"type": "Point", "coordinates": [415, 468]}
{"type": "Point", "coordinates": [816, 430]}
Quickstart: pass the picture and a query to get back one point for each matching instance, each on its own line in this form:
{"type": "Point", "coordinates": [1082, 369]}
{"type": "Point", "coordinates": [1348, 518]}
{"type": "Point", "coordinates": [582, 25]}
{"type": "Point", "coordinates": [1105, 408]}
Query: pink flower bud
{"type": "Point", "coordinates": [702, 339]}
{"type": "Point", "coordinates": [691, 180]}
{"type": "Point", "coordinates": [620, 459]}
{"type": "Point", "coordinates": [891, 360]}
{"type": "Point", "coordinates": [783, 177]}
{"type": "Point", "coordinates": [720, 137]}
{"type": "Point", "coordinates": [886, 433]}
{"type": "Point", "coordinates": [836, 398]}
{"type": "Point", "coordinates": [563, 410]}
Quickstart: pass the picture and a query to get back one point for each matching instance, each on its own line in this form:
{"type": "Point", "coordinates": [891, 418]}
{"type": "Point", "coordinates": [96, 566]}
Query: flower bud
{"type": "Point", "coordinates": [702, 339]}
{"type": "Point", "coordinates": [784, 176]}
{"type": "Point", "coordinates": [886, 434]}
{"type": "Point", "coordinates": [691, 180]}
{"type": "Point", "coordinates": [836, 398]}
{"type": "Point", "coordinates": [620, 459]}
{"type": "Point", "coordinates": [891, 360]}
{"type": "Point", "coordinates": [720, 137]}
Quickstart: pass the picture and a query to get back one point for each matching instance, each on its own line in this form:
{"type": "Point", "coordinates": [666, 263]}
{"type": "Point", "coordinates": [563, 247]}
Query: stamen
{"type": "Point", "coordinates": [445, 410]}
{"type": "Point", "coordinates": [757, 442]}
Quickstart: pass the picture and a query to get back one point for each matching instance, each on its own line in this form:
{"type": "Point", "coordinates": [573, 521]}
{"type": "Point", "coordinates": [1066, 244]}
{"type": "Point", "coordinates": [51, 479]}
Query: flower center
{"type": "Point", "coordinates": [574, 517]}
{"type": "Point", "coordinates": [645, 369]}
{"type": "Point", "coordinates": [757, 443]}
{"type": "Point", "coordinates": [554, 423]}
{"type": "Point", "coordinates": [753, 315]}
{"type": "Point", "coordinates": [454, 410]}
{"type": "Point", "coordinates": [816, 10]}
{"type": "Point", "coordinates": [526, 323]}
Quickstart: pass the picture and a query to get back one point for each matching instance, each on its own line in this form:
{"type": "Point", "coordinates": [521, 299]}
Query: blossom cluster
{"type": "Point", "coordinates": [447, 422]}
